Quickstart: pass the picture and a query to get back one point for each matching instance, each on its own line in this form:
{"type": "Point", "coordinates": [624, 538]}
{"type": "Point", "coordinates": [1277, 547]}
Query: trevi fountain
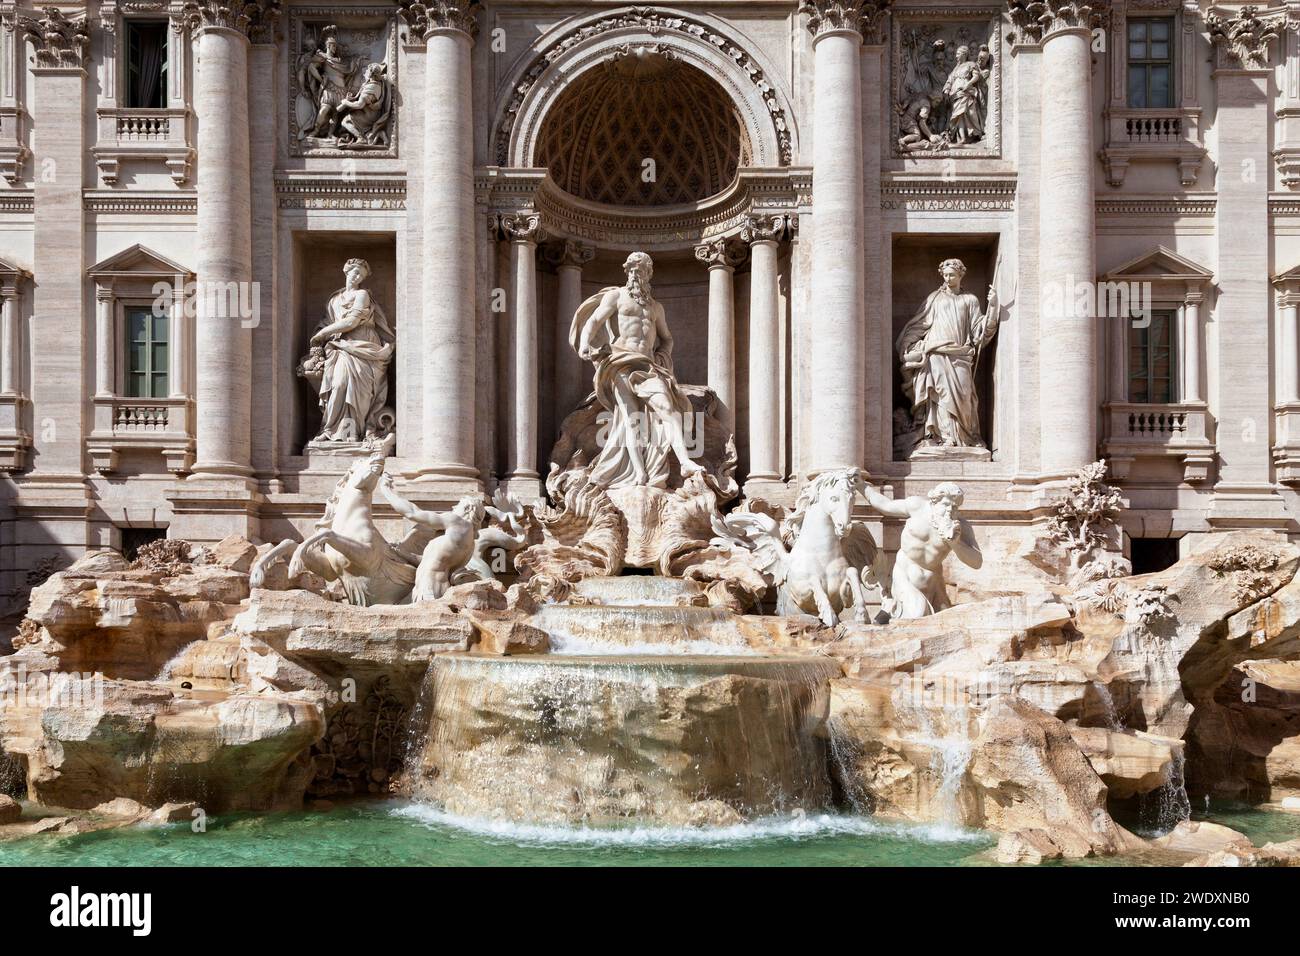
{"type": "Point", "coordinates": [751, 502]}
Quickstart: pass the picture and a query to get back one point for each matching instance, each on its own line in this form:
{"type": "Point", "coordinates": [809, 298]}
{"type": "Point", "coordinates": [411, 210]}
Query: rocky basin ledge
{"type": "Point", "coordinates": [138, 692]}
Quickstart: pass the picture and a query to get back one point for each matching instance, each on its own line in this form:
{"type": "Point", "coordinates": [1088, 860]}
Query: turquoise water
{"type": "Point", "coordinates": [402, 834]}
{"type": "Point", "coordinates": [399, 834]}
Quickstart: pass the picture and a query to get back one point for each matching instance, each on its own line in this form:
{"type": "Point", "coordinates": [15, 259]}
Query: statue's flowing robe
{"type": "Point", "coordinates": [949, 331]}
{"type": "Point", "coordinates": [354, 385]}
{"type": "Point", "coordinates": [629, 419]}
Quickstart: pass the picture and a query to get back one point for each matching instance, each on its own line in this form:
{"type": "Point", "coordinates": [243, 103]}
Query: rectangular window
{"type": "Point", "coordinates": [146, 64]}
{"type": "Point", "coordinates": [1150, 64]}
{"type": "Point", "coordinates": [1151, 360]}
{"type": "Point", "coordinates": [146, 353]}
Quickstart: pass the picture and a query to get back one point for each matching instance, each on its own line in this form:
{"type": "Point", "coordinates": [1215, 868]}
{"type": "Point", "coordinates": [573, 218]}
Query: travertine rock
{"type": "Point", "coordinates": [1129, 762]}
{"type": "Point", "coordinates": [1202, 837]}
{"type": "Point", "coordinates": [1270, 854]}
{"type": "Point", "coordinates": [313, 631]}
{"type": "Point", "coordinates": [10, 809]}
{"type": "Point", "coordinates": [506, 637]}
{"type": "Point", "coordinates": [235, 553]}
{"type": "Point", "coordinates": [128, 623]}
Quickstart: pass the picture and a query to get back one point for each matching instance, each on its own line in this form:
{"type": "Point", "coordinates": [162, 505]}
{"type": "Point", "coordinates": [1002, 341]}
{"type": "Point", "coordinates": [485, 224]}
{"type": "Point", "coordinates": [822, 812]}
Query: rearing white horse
{"type": "Point", "coordinates": [819, 558]}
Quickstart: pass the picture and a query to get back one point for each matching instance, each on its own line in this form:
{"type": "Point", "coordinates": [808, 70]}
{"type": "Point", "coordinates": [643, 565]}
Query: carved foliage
{"type": "Point", "coordinates": [246, 16]}
{"type": "Point", "coordinates": [1242, 39]}
{"type": "Point", "coordinates": [867, 19]}
{"type": "Point", "coordinates": [425, 19]}
{"type": "Point", "coordinates": [57, 41]}
{"type": "Point", "coordinates": [1084, 520]}
{"type": "Point", "coordinates": [1034, 19]}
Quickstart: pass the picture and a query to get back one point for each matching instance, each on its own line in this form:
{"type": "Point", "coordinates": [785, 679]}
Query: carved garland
{"type": "Point", "coordinates": [653, 22]}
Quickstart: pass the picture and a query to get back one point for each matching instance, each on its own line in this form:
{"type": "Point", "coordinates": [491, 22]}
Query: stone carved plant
{"type": "Point", "coordinates": [1252, 567]}
{"type": "Point", "coordinates": [1244, 37]}
{"type": "Point", "coordinates": [1084, 522]}
{"type": "Point", "coordinates": [172, 556]}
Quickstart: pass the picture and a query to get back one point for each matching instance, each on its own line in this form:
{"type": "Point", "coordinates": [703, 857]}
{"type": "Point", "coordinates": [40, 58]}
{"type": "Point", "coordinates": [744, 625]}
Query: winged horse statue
{"type": "Point", "coordinates": [347, 547]}
{"type": "Point", "coordinates": [818, 557]}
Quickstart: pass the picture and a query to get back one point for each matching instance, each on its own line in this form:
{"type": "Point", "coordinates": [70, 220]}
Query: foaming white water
{"type": "Point", "coordinates": [794, 826]}
{"type": "Point", "coordinates": [562, 643]}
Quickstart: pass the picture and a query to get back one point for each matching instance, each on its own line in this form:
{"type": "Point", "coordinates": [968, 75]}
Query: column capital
{"type": "Point", "coordinates": [724, 253]}
{"type": "Point", "coordinates": [241, 16]}
{"type": "Point", "coordinates": [59, 43]}
{"type": "Point", "coordinates": [771, 228]}
{"type": "Point", "coordinates": [104, 290]}
{"type": "Point", "coordinates": [1036, 20]}
{"type": "Point", "coordinates": [568, 252]}
{"type": "Point", "coordinates": [1193, 297]}
{"type": "Point", "coordinates": [424, 19]}
{"type": "Point", "coordinates": [522, 227]}
{"type": "Point", "coordinates": [862, 17]}
{"type": "Point", "coordinates": [1241, 37]}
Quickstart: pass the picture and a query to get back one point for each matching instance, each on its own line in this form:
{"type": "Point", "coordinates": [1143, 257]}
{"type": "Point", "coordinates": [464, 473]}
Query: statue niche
{"type": "Point", "coordinates": [939, 351]}
{"type": "Point", "coordinates": [347, 365]}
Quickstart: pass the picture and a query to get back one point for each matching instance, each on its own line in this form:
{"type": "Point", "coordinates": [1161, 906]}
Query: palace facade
{"type": "Point", "coordinates": [183, 184]}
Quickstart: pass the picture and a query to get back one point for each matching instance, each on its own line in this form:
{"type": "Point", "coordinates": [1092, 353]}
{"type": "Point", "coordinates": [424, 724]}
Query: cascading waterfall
{"type": "Point", "coordinates": [1109, 711]}
{"type": "Point", "coordinates": [1174, 805]}
{"type": "Point", "coordinates": [647, 709]}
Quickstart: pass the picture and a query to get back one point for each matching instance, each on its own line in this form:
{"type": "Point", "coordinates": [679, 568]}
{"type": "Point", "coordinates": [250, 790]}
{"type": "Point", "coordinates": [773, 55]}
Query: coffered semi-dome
{"type": "Point", "coordinates": [643, 105]}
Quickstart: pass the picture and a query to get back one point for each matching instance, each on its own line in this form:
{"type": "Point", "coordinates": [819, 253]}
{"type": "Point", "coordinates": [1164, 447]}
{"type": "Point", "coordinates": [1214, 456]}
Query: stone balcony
{"type": "Point", "coordinates": [148, 134]}
{"type": "Point", "coordinates": [1153, 135]}
{"type": "Point", "coordinates": [141, 424]}
{"type": "Point", "coordinates": [1136, 431]}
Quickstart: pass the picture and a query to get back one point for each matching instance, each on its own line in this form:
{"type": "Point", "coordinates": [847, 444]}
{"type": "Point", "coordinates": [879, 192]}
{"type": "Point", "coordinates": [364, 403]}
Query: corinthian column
{"type": "Point", "coordinates": [1068, 329]}
{"type": "Point", "coordinates": [568, 257]}
{"type": "Point", "coordinates": [722, 256]}
{"type": "Point", "coordinates": [837, 350]}
{"type": "Point", "coordinates": [226, 312]}
{"type": "Point", "coordinates": [448, 28]}
{"type": "Point", "coordinates": [524, 230]}
{"type": "Point", "coordinates": [763, 233]}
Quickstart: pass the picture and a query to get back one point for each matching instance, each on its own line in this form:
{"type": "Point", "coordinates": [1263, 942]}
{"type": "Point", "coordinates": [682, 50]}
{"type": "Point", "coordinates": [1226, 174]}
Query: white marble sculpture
{"type": "Point", "coordinates": [623, 332]}
{"type": "Point", "coordinates": [347, 547]}
{"type": "Point", "coordinates": [348, 363]}
{"type": "Point", "coordinates": [942, 107]}
{"type": "Point", "coordinates": [324, 75]}
{"type": "Point", "coordinates": [933, 529]}
{"type": "Point", "coordinates": [447, 552]}
{"type": "Point", "coordinates": [830, 558]}
{"type": "Point", "coordinates": [363, 114]}
{"type": "Point", "coordinates": [966, 91]}
{"type": "Point", "coordinates": [939, 349]}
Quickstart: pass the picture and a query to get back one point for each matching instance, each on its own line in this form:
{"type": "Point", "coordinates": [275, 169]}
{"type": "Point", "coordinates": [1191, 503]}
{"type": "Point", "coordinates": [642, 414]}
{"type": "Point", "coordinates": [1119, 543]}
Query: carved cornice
{"type": "Point", "coordinates": [1241, 38]}
{"type": "Point", "coordinates": [521, 227]}
{"type": "Point", "coordinates": [765, 228]}
{"type": "Point", "coordinates": [867, 19]}
{"type": "Point", "coordinates": [1034, 20]}
{"type": "Point", "coordinates": [1171, 207]}
{"type": "Point", "coordinates": [568, 253]}
{"type": "Point", "coordinates": [654, 22]}
{"type": "Point", "coordinates": [248, 17]}
{"type": "Point", "coordinates": [59, 43]}
{"type": "Point", "coordinates": [423, 20]}
{"type": "Point", "coordinates": [141, 203]}
{"type": "Point", "coordinates": [724, 252]}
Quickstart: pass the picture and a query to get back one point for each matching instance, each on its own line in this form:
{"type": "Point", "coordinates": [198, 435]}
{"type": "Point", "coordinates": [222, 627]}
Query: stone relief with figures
{"type": "Point", "coordinates": [946, 84]}
{"type": "Point", "coordinates": [343, 84]}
